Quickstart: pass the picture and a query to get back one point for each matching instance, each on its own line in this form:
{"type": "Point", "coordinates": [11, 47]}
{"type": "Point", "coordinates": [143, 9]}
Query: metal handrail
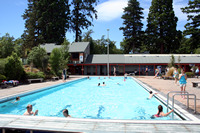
{"type": "Point", "coordinates": [176, 92]}
{"type": "Point", "coordinates": [187, 103]}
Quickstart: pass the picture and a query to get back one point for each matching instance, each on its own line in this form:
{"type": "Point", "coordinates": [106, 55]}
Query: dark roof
{"type": "Point", "coordinates": [78, 47]}
{"type": "Point", "coordinates": [49, 46]}
{"type": "Point", "coordinates": [142, 58]}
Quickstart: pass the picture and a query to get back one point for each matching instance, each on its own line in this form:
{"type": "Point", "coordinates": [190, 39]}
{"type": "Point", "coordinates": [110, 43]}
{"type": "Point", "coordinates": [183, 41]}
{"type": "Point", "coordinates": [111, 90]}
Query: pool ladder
{"type": "Point", "coordinates": [179, 93]}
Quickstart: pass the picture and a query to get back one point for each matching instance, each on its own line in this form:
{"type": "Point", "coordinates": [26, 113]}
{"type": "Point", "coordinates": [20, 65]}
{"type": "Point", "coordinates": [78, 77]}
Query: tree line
{"type": "Point", "coordinates": [48, 22]}
{"type": "Point", "coordinates": [161, 35]}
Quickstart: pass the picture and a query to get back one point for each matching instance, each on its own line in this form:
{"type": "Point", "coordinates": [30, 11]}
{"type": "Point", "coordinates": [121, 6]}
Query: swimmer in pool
{"type": "Point", "coordinates": [29, 110]}
{"type": "Point", "coordinates": [161, 113]}
{"type": "Point", "coordinates": [66, 113]}
{"type": "Point", "coordinates": [103, 84]}
{"type": "Point", "coordinates": [151, 94]}
{"type": "Point", "coordinates": [16, 100]}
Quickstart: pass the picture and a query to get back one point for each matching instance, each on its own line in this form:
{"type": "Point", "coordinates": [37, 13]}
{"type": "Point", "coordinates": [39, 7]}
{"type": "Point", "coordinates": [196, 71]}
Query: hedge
{"type": "Point", "coordinates": [190, 74]}
{"type": "Point", "coordinates": [31, 75]}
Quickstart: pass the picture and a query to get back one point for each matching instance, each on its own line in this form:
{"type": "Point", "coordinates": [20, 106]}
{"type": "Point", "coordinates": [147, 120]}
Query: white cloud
{"type": "Point", "coordinates": [111, 9]}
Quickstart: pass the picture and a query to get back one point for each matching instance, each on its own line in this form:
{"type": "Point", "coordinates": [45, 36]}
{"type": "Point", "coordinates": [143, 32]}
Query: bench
{"type": "Point", "coordinates": [55, 78]}
{"type": "Point", "coordinates": [38, 79]}
{"type": "Point", "coordinates": [195, 84]}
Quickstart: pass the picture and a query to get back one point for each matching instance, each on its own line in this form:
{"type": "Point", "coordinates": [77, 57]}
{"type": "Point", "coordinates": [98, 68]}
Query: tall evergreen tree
{"type": "Point", "coordinates": [161, 28]}
{"type": "Point", "coordinates": [46, 22]}
{"type": "Point", "coordinates": [132, 29]}
{"type": "Point", "coordinates": [29, 35]}
{"type": "Point", "coordinates": [53, 20]}
{"type": "Point", "coordinates": [192, 27]}
{"type": "Point", "coordinates": [83, 11]}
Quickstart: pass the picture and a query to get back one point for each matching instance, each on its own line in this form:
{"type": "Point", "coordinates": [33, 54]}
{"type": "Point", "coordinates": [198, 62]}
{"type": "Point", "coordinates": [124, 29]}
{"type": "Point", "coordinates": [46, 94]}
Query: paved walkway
{"type": "Point", "coordinates": [164, 86]}
{"type": "Point", "coordinates": [33, 86]}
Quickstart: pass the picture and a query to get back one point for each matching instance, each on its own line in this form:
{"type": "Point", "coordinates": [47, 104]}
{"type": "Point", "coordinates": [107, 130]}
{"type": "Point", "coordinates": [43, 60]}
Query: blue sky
{"type": "Point", "coordinates": [109, 17]}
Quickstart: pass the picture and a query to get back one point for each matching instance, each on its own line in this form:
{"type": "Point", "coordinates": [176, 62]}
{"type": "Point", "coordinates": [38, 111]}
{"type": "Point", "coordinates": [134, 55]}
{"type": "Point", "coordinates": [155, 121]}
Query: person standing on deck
{"type": "Point", "coordinates": [64, 76]}
{"type": "Point", "coordinates": [114, 71]}
{"type": "Point", "coordinates": [182, 82]}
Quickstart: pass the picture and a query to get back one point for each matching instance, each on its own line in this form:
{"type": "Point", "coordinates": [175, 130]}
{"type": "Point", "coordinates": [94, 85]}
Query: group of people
{"type": "Point", "coordinates": [196, 71]}
{"type": "Point", "coordinates": [29, 109]}
{"type": "Point", "coordinates": [181, 77]}
{"type": "Point", "coordinates": [30, 112]}
{"type": "Point", "coordinates": [102, 84]}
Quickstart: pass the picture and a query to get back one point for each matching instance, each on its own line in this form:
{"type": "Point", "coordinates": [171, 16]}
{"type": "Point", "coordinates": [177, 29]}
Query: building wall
{"type": "Point", "coordinates": [86, 52]}
{"type": "Point", "coordinates": [138, 69]}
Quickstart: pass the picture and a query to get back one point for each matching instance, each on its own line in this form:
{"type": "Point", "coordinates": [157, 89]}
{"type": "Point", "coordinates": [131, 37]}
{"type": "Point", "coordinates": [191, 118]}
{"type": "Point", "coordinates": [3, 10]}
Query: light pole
{"type": "Point", "coordinates": [108, 51]}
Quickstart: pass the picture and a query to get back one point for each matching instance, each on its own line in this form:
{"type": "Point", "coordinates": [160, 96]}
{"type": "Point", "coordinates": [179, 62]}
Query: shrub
{"type": "Point", "coordinates": [29, 69]}
{"type": "Point", "coordinates": [32, 75]}
{"type": "Point", "coordinates": [13, 68]}
{"type": "Point", "coordinates": [2, 77]}
{"type": "Point", "coordinates": [38, 57]}
{"type": "Point", "coordinates": [49, 74]}
{"type": "Point", "coordinates": [189, 74]}
{"type": "Point", "coordinates": [60, 73]}
{"type": "Point", "coordinates": [170, 72]}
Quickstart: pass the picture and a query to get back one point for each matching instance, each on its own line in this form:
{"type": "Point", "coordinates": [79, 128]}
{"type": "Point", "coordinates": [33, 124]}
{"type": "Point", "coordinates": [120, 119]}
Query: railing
{"type": "Point", "coordinates": [176, 92]}
{"type": "Point", "coordinates": [180, 93]}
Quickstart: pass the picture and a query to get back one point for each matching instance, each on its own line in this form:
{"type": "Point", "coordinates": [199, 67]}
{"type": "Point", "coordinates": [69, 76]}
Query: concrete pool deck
{"type": "Point", "coordinates": [92, 125]}
{"type": "Point", "coordinates": [165, 86]}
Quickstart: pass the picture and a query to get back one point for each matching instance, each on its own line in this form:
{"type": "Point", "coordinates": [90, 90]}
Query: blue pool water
{"type": "Point", "coordinates": [84, 99]}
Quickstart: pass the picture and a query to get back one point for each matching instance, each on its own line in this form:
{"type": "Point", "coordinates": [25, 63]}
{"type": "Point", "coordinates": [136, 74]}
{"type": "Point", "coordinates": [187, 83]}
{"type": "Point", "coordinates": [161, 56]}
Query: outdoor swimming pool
{"type": "Point", "coordinates": [84, 99]}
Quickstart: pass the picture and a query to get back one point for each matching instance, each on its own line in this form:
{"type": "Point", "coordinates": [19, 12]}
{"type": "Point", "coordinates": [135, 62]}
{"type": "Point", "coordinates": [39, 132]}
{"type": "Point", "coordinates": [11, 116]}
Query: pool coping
{"type": "Point", "coordinates": [58, 124]}
{"type": "Point", "coordinates": [34, 123]}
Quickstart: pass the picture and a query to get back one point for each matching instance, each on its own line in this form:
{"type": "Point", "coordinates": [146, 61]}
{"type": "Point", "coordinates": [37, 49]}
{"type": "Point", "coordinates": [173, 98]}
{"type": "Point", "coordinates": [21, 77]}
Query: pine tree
{"type": "Point", "coordinates": [53, 20]}
{"type": "Point", "coordinates": [192, 27]}
{"type": "Point", "coordinates": [29, 37]}
{"type": "Point", "coordinates": [45, 22]}
{"type": "Point", "coordinates": [132, 29]}
{"type": "Point", "coordinates": [83, 11]}
{"type": "Point", "coordinates": [161, 28]}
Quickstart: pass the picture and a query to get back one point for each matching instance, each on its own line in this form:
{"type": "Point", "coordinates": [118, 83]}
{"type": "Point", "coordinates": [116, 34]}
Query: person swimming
{"type": "Point", "coordinates": [103, 84]}
{"type": "Point", "coordinates": [29, 110]}
{"type": "Point", "coordinates": [151, 94]}
{"type": "Point", "coordinates": [66, 113]}
{"type": "Point", "coordinates": [160, 112]}
{"type": "Point", "coordinates": [16, 100]}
